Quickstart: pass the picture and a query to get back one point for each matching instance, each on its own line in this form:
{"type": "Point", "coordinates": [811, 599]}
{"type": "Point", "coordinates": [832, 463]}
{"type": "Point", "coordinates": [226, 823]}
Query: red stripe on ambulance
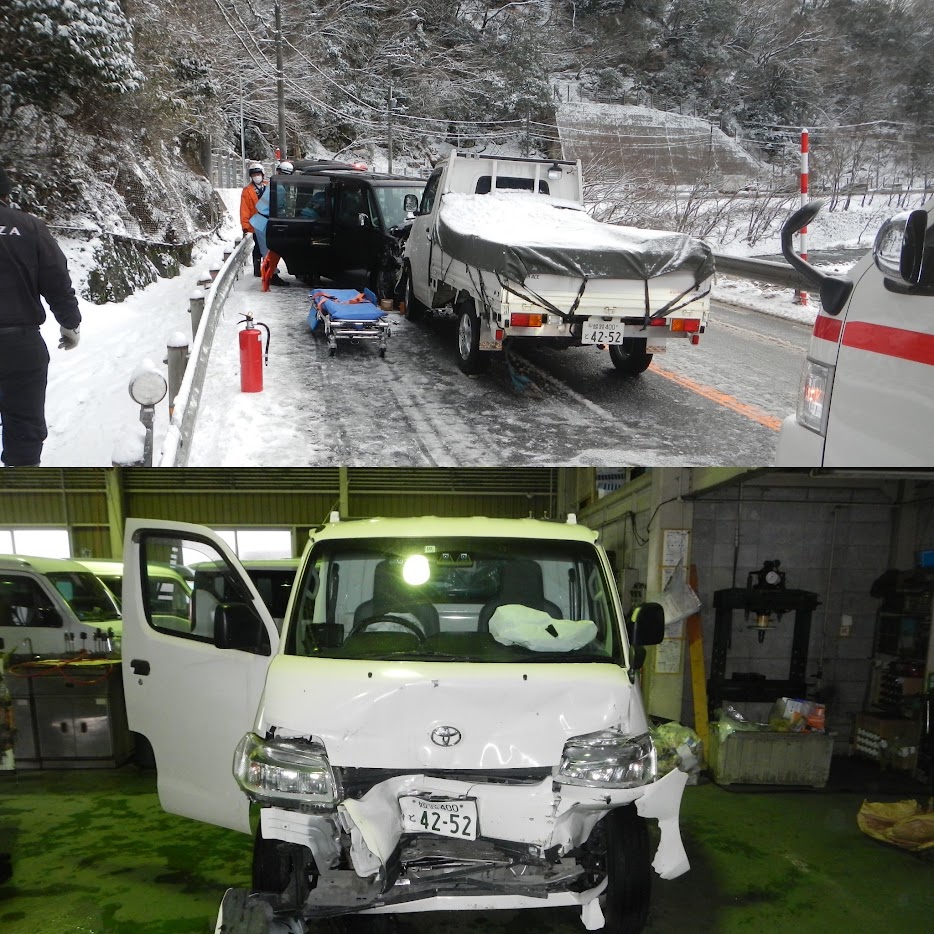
{"type": "Point", "coordinates": [893, 342]}
{"type": "Point", "coordinates": [827, 329]}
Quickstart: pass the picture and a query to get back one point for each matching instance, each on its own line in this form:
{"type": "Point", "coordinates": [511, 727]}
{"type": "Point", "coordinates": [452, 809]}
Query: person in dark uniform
{"type": "Point", "coordinates": [32, 264]}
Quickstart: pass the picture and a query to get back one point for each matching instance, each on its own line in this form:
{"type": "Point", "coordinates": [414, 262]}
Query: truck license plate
{"type": "Point", "coordinates": [445, 817]}
{"type": "Point", "coordinates": [603, 332]}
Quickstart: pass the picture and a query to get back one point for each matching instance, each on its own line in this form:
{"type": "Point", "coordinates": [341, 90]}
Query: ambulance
{"type": "Point", "coordinates": [867, 388]}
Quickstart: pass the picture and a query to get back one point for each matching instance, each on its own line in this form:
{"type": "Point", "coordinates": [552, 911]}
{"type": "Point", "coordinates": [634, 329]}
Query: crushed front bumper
{"type": "Point", "coordinates": [543, 821]}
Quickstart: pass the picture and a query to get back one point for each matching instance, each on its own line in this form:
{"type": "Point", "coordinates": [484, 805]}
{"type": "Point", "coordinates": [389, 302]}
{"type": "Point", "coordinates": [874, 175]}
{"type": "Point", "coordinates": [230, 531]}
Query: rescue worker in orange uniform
{"type": "Point", "coordinates": [251, 193]}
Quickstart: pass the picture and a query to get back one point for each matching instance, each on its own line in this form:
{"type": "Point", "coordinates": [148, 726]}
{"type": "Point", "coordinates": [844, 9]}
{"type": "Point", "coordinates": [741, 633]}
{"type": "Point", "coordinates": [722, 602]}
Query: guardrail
{"type": "Point", "coordinates": [177, 442]}
{"type": "Point", "coordinates": [762, 270]}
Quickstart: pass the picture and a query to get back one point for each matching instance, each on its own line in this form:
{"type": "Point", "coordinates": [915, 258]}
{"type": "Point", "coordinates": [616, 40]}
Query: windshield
{"type": "Point", "coordinates": [88, 598]}
{"type": "Point", "coordinates": [474, 599]}
{"type": "Point", "coordinates": [392, 201]}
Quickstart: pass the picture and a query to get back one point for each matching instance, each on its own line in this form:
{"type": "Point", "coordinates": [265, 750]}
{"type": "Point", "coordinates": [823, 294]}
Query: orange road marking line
{"type": "Point", "coordinates": [721, 398]}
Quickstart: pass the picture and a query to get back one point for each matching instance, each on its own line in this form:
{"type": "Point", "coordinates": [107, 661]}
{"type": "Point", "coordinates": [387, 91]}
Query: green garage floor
{"type": "Point", "coordinates": [94, 854]}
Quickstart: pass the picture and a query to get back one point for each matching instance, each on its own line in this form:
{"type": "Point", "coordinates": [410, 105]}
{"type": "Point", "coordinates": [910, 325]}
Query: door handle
{"type": "Point", "coordinates": [140, 666]}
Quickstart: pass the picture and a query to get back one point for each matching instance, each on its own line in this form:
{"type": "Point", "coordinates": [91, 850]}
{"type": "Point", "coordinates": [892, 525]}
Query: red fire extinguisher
{"type": "Point", "coordinates": [251, 354]}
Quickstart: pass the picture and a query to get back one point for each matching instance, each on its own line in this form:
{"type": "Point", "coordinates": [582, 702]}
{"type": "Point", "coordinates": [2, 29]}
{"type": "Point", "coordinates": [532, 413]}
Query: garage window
{"type": "Point", "coordinates": [258, 543]}
{"type": "Point", "coordinates": [43, 543]}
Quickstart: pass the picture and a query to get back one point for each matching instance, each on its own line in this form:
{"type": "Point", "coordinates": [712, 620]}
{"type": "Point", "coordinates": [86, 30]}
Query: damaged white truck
{"type": "Point", "coordinates": [450, 719]}
{"type": "Point", "coordinates": [506, 243]}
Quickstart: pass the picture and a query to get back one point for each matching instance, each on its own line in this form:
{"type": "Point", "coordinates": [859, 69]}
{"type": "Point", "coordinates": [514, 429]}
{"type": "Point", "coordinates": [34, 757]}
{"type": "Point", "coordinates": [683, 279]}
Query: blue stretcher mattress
{"type": "Point", "coordinates": [339, 307]}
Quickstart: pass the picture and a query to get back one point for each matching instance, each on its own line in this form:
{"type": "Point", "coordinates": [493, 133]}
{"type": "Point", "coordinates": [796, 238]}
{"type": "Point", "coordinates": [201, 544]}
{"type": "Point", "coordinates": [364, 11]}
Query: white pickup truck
{"type": "Point", "coordinates": [506, 243]}
{"type": "Point", "coordinates": [449, 719]}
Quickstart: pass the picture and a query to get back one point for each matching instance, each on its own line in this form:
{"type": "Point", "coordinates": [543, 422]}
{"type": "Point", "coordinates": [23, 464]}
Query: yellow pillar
{"type": "Point", "coordinates": [116, 510]}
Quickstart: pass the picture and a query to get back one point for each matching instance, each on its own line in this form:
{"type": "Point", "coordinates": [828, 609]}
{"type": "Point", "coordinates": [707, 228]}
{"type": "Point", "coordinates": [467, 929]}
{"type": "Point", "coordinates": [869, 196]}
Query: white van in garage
{"type": "Point", "coordinates": [867, 390]}
{"type": "Point", "coordinates": [54, 607]}
{"type": "Point", "coordinates": [450, 719]}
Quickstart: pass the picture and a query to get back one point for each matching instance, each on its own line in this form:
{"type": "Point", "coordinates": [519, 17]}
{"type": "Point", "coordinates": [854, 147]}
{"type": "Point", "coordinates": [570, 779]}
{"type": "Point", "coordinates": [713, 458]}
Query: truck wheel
{"type": "Point", "coordinates": [414, 309]}
{"type": "Point", "coordinates": [470, 358]}
{"type": "Point", "coordinates": [271, 864]}
{"type": "Point", "coordinates": [278, 866]}
{"type": "Point", "coordinates": [629, 868]}
{"type": "Point", "coordinates": [631, 357]}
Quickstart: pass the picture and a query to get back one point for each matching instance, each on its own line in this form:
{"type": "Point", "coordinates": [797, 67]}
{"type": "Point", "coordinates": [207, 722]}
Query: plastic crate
{"type": "Point", "coordinates": [767, 758]}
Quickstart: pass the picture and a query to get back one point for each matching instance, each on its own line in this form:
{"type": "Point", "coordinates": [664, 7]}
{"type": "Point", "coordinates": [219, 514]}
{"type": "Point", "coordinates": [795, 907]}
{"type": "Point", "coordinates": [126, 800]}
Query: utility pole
{"type": "Point", "coordinates": [389, 103]}
{"type": "Point", "coordinates": [280, 88]}
{"type": "Point", "coordinates": [244, 178]}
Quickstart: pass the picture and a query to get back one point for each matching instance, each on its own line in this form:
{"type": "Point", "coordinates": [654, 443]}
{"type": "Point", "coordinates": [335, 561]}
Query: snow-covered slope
{"type": "Point", "coordinates": [640, 142]}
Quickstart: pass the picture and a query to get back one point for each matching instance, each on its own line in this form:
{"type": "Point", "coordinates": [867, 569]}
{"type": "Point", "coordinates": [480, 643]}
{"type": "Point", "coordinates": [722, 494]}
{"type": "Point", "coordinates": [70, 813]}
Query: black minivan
{"type": "Point", "coordinates": [341, 223]}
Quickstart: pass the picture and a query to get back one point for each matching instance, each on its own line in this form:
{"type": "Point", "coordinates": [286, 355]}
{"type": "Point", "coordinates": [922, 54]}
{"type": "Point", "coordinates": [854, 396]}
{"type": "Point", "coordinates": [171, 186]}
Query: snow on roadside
{"type": "Point", "coordinates": [89, 412]}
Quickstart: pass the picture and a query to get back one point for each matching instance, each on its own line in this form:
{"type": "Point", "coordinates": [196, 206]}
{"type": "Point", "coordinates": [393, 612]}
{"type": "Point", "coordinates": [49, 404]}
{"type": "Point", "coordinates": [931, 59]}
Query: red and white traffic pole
{"type": "Point", "coordinates": [803, 242]}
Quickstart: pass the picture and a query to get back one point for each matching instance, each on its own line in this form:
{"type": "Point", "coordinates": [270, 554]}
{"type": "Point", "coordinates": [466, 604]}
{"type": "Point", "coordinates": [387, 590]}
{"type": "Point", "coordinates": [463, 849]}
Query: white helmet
{"type": "Point", "coordinates": [286, 168]}
{"type": "Point", "coordinates": [255, 168]}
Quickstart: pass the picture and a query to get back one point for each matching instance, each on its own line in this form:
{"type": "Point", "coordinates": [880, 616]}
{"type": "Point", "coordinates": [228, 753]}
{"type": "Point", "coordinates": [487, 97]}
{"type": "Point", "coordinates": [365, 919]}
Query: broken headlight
{"type": "Point", "coordinates": [287, 773]}
{"type": "Point", "coordinates": [608, 759]}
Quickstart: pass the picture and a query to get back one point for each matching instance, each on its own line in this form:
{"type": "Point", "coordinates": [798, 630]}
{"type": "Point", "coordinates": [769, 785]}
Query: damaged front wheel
{"type": "Point", "coordinates": [284, 869]}
{"type": "Point", "coordinates": [618, 850]}
{"type": "Point", "coordinates": [629, 871]}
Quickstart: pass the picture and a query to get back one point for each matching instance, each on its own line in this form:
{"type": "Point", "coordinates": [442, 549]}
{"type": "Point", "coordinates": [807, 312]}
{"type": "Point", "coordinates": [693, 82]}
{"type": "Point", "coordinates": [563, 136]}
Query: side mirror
{"type": "Point", "coordinates": [646, 624]}
{"type": "Point", "coordinates": [410, 204]}
{"type": "Point", "coordinates": [899, 249]}
{"type": "Point", "coordinates": [365, 220]}
{"type": "Point", "coordinates": [834, 290]}
{"type": "Point", "coordinates": [236, 626]}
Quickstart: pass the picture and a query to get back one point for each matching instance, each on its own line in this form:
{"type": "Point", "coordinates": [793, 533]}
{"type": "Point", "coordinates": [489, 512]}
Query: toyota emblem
{"type": "Point", "coordinates": [445, 736]}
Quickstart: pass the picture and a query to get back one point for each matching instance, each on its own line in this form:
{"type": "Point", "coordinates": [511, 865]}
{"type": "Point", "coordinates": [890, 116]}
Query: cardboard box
{"type": "Point", "coordinates": [801, 714]}
{"type": "Point", "coordinates": [891, 741]}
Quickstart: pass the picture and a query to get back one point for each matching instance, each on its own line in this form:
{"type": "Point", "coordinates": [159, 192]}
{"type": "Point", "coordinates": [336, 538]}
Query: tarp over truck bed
{"type": "Point", "coordinates": [518, 234]}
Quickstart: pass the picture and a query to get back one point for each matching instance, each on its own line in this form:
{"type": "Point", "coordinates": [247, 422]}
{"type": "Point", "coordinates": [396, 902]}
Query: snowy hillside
{"type": "Point", "coordinates": [638, 142]}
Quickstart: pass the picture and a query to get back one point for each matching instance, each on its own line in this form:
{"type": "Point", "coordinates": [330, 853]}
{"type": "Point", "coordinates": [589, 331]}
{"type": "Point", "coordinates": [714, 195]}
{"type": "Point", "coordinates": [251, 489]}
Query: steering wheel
{"type": "Point", "coordinates": [414, 628]}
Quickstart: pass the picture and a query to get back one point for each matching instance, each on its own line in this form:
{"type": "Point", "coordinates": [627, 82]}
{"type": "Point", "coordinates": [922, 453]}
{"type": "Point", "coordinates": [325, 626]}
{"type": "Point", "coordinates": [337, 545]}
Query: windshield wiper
{"type": "Point", "coordinates": [562, 657]}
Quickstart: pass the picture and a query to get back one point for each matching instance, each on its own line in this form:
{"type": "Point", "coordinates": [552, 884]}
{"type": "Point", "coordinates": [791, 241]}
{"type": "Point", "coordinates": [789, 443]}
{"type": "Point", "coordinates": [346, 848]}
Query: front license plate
{"type": "Point", "coordinates": [442, 816]}
{"type": "Point", "coordinates": [603, 332]}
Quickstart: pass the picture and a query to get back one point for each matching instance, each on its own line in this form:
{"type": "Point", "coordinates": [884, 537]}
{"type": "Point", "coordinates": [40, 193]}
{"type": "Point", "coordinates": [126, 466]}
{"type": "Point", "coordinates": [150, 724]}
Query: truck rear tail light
{"type": "Point", "coordinates": [685, 324]}
{"type": "Point", "coordinates": [499, 334]}
{"type": "Point", "coordinates": [659, 322]}
{"type": "Point", "coordinates": [523, 319]}
{"type": "Point", "coordinates": [695, 339]}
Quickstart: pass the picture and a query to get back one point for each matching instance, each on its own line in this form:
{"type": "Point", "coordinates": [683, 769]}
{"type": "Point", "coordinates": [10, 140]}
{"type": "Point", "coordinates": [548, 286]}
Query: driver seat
{"type": "Point", "coordinates": [392, 595]}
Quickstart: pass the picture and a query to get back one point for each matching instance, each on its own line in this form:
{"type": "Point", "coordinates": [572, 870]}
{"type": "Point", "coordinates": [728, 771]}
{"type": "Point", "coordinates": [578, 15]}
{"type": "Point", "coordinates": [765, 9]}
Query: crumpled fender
{"type": "Point", "coordinates": [662, 801]}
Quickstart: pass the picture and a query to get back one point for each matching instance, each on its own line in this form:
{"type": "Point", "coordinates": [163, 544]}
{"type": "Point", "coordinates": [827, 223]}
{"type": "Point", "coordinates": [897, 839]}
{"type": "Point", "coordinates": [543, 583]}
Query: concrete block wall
{"type": "Point", "coordinates": [834, 545]}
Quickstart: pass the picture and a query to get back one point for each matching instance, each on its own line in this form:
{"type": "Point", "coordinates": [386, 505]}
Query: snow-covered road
{"type": "Point", "coordinates": [718, 403]}
{"type": "Point", "coordinates": [414, 407]}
